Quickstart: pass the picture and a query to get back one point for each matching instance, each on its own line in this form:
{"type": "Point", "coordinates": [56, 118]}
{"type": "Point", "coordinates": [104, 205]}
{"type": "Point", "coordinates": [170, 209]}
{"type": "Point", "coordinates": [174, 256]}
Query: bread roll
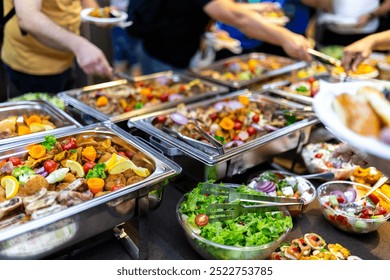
{"type": "Point", "coordinates": [378, 102]}
{"type": "Point", "coordinates": [357, 114]}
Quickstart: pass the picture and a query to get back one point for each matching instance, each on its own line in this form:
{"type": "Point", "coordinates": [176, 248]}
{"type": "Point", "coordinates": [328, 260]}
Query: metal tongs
{"type": "Point", "coordinates": [228, 211]}
{"type": "Point", "coordinates": [327, 59]}
{"type": "Point", "coordinates": [218, 146]}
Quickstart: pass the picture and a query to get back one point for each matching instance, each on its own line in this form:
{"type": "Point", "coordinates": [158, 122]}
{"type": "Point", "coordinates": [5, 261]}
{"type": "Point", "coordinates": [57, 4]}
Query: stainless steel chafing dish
{"type": "Point", "coordinates": [72, 97]}
{"type": "Point", "coordinates": [60, 119]}
{"type": "Point", "coordinates": [202, 162]}
{"type": "Point", "coordinates": [221, 66]}
{"type": "Point", "coordinates": [42, 237]}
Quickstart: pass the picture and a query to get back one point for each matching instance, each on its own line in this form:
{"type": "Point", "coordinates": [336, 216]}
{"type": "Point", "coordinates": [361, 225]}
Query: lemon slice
{"type": "Point", "coordinates": [11, 185]}
{"type": "Point", "coordinates": [37, 127]}
{"type": "Point", "coordinates": [76, 167]}
{"type": "Point", "coordinates": [123, 164]}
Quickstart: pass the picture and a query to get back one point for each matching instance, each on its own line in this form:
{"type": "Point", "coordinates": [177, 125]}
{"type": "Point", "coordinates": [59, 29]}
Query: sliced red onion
{"type": "Point", "coordinates": [234, 143]}
{"type": "Point", "coordinates": [178, 118]}
{"type": "Point", "coordinates": [175, 97]}
{"type": "Point", "coordinates": [220, 105]}
{"type": "Point", "coordinates": [270, 127]}
{"type": "Point", "coordinates": [265, 186]}
{"type": "Point", "coordinates": [258, 127]}
{"type": "Point", "coordinates": [339, 193]}
{"type": "Point", "coordinates": [41, 171]}
{"type": "Point", "coordinates": [350, 194]}
{"type": "Point", "coordinates": [235, 104]}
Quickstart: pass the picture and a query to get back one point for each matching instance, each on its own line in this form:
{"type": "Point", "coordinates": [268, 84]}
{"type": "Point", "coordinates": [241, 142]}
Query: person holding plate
{"type": "Point", "coordinates": [171, 31]}
{"type": "Point", "coordinates": [42, 41]}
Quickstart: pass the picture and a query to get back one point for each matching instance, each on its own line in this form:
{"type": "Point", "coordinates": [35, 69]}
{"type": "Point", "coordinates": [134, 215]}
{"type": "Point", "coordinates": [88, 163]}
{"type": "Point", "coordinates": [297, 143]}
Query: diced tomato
{"type": "Point", "coordinates": [340, 199]}
{"type": "Point", "coordinates": [327, 203]}
{"type": "Point", "coordinates": [15, 161]}
{"type": "Point", "coordinates": [381, 210]}
{"type": "Point", "coordinates": [295, 249]}
{"type": "Point", "coordinates": [201, 220]}
{"type": "Point", "coordinates": [341, 220]}
{"type": "Point", "coordinates": [318, 155]}
{"type": "Point", "coordinates": [373, 198]}
{"type": "Point", "coordinates": [332, 218]}
{"type": "Point", "coordinates": [329, 164]}
{"type": "Point", "coordinates": [236, 138]}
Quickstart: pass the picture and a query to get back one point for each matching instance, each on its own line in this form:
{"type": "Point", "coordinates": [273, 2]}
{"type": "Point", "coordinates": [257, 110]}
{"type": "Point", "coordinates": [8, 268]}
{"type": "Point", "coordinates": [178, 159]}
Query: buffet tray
{"type": "Point", "coordinates": [219, 66]}
{"type": "Point", "coordinates": [42, 237]}
{"type": "Point", "coordinates": [204, 163]}
{"type": "Point", "coordinates": [59, 118]}
{"type": "Point", "coordinates": [71, 97]}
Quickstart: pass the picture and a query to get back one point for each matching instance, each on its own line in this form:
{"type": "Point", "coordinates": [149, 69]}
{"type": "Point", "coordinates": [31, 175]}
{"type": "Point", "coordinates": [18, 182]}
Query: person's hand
{"type": "Point", "coordinates": [92, 60]}
{"type": "Point", "coordinates": [350, 154]}
{"type": "Point", "coordinates": [355, 53]}
{"type": "Point", "coordinates": [296, 46]}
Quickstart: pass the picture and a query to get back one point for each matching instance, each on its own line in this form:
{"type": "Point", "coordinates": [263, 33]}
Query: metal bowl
{"type": "Point", "coordinates": [211, 250]}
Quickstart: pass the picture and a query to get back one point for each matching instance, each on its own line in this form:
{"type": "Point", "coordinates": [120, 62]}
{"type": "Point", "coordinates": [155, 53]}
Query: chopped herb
{"type": "Point", "coordinates": [73, 151]}
{"type": "Point", "coordinates": [220, 139]}
{"type": "Point", "coordinates": [49, 142]}
{"type": "Point", "coordinates": [97, 171]}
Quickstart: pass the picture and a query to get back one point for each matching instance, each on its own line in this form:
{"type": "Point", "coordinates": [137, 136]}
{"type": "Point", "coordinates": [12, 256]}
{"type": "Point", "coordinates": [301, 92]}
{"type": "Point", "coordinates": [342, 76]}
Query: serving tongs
{"type": "Point", "coordinates": [327, 59]}
{"type": "Point", "coordinates": [214, 142]}
{"type": "Point", "coordinates": [232, 195]}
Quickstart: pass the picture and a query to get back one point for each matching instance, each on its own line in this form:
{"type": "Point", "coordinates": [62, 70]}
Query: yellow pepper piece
{"type": "Point", "coordinates": [102, 101]}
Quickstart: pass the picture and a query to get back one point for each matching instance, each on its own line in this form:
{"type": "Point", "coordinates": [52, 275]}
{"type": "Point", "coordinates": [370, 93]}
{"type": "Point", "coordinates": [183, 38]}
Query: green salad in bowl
{"type": "Point", "coordinates": [249, 236]}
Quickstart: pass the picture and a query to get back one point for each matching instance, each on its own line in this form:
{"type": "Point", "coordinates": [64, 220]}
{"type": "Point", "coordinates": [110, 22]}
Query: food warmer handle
{"type": "Point", "coordinates": [167, 149]}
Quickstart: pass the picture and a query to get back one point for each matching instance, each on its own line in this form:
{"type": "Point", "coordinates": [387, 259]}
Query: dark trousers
{"type": "Point", "coordinates": [24, 83]}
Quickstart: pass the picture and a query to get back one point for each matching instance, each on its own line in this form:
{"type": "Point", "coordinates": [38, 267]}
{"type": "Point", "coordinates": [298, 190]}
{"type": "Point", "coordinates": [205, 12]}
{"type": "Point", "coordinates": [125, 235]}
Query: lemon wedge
{"type": "Point", "coordinates": [111, 161]}
{"type": "Point", "coordinates": [122, 165]}
{"type": "Point", "coordinates": [37, 127]}
{"type": "Point", "coordinates": [11, 185]}
{"type": "Point", "coordinates": [76, 167]}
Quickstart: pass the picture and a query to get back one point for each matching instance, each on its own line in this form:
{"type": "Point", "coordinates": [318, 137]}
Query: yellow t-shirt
{"type": "Point", "coordinates": [28, 55]}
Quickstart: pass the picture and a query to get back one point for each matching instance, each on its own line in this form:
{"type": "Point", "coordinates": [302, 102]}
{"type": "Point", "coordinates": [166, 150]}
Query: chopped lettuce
{"type": "Point", "coordinates": [251, 229]}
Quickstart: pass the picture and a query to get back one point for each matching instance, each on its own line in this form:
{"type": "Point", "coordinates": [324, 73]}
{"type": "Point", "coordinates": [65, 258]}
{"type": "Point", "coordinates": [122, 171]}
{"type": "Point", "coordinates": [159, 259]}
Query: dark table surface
{"type": "Point", "coordinates": [166, 240]}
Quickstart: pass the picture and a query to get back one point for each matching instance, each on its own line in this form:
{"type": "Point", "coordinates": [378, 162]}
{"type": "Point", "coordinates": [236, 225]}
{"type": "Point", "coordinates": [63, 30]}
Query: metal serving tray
{"type": "Point", "coordinates": [219, 66]}
{"type": "Point", "coordinates": [59, 118]}
{"type": "Point", "coordinates": [204, 163]}
{"type": "Point", "coordinates": [71, 97]}
{"type": "Point", "coordinates": [42, 237]}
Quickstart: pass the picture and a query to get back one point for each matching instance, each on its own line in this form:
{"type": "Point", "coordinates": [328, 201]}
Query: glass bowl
{"type": "Point", "coordinates": [345, 220]}
{"type": "Point", "coordinates": [215, 251]}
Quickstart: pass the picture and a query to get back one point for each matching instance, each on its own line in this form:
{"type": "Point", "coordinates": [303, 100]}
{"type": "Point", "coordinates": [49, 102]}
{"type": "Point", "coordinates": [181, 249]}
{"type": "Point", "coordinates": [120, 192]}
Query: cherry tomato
{"type": "Point", "coordinates": [256, 118]}
{"type": "Point", "coordinates": [213, 116]}
{"type": "Point", "coordinates": [69, 144]}
{"type": "Point", "coordinates": [15, 161]}
{"type": "Point", "coordinates": [116, 187]}
{"type": "Point", "coordinates": [201, 220]}
{"type": "Point", "coordinates": [88, 165]}
{"type": "Point", "coordinates": [161, 118]}
{"type": "Point", "coordinates": [150, 96]}
{"type": "Point", "coordinates": [50, 165]}
{"type": "Point", "coordinates": [164, 97]}
{"type": "Point", "coordinates": [251, 130]}
{"type": "Point", "coordinates": [237, 125]}
{"type": "Point", "coordinates": [122, 154]}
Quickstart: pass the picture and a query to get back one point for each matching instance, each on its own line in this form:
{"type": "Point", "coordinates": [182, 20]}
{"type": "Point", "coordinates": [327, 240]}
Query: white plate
{"type": "Point", "coordinates": [322, 105]}
{"type": "Point", "coordinates": [86, 17]}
